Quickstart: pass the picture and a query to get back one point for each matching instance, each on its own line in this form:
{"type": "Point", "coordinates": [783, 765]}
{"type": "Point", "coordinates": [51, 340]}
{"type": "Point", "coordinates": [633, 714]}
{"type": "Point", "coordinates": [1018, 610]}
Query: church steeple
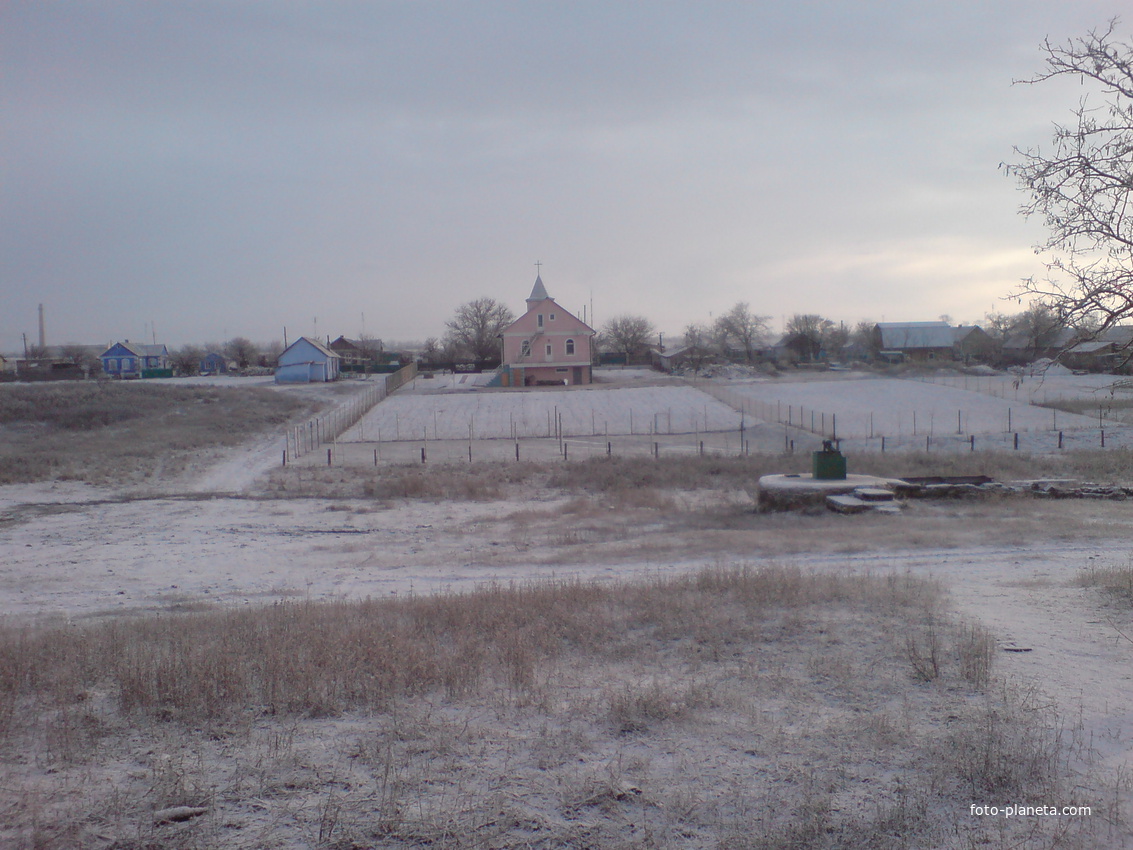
{"type": "Point", "coordinates": [538, 292]}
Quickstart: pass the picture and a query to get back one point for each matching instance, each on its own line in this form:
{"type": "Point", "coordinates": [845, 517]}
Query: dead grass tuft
{"type": "Point", "coordinates": [1117, 581]}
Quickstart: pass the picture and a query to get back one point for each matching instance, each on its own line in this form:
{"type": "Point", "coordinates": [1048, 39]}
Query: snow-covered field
{"type": "Point", "coordinates": [857, 408]}
{"type": "Point", "coordinates": [896, 408]}
{"type": "Point", "coordinates": [508, 414]}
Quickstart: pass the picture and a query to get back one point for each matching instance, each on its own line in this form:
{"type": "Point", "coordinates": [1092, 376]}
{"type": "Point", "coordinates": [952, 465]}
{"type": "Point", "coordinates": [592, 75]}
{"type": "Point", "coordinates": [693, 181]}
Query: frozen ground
{"type": "Point", "coordinates": [80, 554]}
{"type": "Point", "coordinates": [71, 551]}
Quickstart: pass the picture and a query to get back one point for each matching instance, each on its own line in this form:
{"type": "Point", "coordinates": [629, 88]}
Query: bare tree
{"type": "Point", "coordinates": [865, 339]}
{"type": "Point", "coordinates": [998, 326]}
{"type": "Point", "coordinates": [81, 356]}
{"type": "Point", "coordinates": [431, 350]}
{"type": "Point", "coordinates": [474, 330]}
{"type": "Point", "coordinates": [628, 334]}
{"type": "Point", "coordinates": [1082, 186]}
{"type": "Point", "coordinates": [187, 360]}
{"type": "Point", "coordinates": [698, 341]}
{"type": "Point", "coordinates": [370, 347]}
{"type": "Point", "coordinates": [744, 328]}
{"type": "Point", "coordinates": [813, 330]}
{"type": "Point", "coordinates": [242, 350]}
{"type": "Point", "coordinates": [269, 353]}
{"type": "Point", "coordinates": [1040, 327]}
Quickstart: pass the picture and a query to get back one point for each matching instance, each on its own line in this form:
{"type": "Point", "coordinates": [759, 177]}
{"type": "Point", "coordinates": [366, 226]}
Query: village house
{"type": "Point", "coordinates": [687, 356]}
{"type": "Point", "coordinates": [971, 343]}
{"type": "Point", "coordinates": [306, 361]}
{"type": "Point", "coordinates": [214, 363]}
{"type": "Point", "coordinates": [546, 345]}
{"type": "Point", "coordinates": [929, 342]}
{"type": "Point", "coordinates": [1109, 351]}
{"type": "Point", "coordinates": [358, 355]}
{"type": "Point", "coordinates": [1026, 346]}
{"type": "Point", "coordinates": [133, 360]}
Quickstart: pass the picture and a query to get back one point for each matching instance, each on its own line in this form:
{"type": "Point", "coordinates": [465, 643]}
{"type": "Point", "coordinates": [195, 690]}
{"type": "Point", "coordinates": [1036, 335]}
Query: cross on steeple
{"type": "Point", "coordinates": [538, 268]}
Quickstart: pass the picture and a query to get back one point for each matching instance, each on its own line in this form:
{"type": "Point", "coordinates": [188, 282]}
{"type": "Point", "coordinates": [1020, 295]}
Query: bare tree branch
{"type": "Point", "coordinates": [1082, 186]}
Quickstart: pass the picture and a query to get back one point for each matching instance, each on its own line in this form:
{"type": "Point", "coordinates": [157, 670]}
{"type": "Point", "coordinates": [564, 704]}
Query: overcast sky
{"type": "Point", "coordinates": [197, 171]}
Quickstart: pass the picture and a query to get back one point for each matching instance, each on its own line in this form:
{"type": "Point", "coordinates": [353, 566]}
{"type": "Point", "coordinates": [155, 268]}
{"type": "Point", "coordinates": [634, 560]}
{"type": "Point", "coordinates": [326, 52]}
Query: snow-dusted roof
{"type": "Point", "coordinates": [139, 350]}
{"type": "Point", "coordinates": [320, 347]}
{"type": "Point", "coordinates": [906, 335]}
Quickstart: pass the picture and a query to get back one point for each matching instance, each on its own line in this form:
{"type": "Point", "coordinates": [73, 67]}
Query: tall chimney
{"type": "Point", "coordinates": [42, 333]}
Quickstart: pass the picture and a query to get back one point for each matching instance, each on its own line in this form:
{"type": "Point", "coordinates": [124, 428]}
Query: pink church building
{"type": "Point", "coordinates": [546, 345]}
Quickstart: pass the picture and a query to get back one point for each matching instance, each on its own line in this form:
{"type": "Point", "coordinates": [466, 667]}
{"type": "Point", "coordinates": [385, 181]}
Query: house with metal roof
{"type": "Point", "coordinates": [133, 360]}
{"type": "Point", "coordinates": [1109, 351]}
{"type": "Point", "coordinates": [927, 342]}
{"type": "Point", "coordinates": [306, 361]}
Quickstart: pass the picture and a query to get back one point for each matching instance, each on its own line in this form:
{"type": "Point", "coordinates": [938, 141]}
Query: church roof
{"type": "Point", "coordinates": [538, 292]}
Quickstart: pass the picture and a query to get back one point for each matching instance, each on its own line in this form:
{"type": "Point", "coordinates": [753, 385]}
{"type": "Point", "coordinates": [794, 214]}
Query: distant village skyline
{"type": "Point", "coordinates": [151, 335]}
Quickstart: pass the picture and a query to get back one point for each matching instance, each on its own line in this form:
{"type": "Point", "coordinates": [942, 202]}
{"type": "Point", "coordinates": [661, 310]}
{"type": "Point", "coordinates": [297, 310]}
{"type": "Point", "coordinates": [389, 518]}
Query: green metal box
{"type": "Point", "coordinates": [829, 464]}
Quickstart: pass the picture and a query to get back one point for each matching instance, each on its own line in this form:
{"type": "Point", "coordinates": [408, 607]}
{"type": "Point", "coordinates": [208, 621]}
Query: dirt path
{"type": "Point", "coordinates": [240, 469]}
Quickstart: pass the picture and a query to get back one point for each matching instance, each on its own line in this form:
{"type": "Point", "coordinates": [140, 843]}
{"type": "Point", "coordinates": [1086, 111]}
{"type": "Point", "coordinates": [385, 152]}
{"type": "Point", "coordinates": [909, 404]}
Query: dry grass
{"type": "Point", "coordinates": [734, 707]}
{"type": "Point", "coordinates": [1116, 581]}
{"type": "Point", "coordinates": [621, 476]}
{"type": "Point", "coordinates": [108, 432]}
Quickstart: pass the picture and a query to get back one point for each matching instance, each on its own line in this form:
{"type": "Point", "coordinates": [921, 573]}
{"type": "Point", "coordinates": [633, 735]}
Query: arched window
{"type": "Point", "coordinates": [570, 346]}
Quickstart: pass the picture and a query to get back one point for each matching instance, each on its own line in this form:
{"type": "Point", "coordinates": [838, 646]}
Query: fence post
{"type": "Point", "coordinates": [329, 456]}
{"type": "Point", "coordinates": [1016, 440]}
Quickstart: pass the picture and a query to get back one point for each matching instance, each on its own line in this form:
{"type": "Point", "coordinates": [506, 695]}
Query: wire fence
{"type": "Point", "coordinates": [320, 430]}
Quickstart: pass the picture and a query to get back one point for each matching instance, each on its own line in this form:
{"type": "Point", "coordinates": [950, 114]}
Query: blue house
{"type": "Point", "coordinates": [130, 360]}
{"type": "Point", "coordinates": [306, 361]}
{"type": "Point", "coordinates": [214, 363]}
